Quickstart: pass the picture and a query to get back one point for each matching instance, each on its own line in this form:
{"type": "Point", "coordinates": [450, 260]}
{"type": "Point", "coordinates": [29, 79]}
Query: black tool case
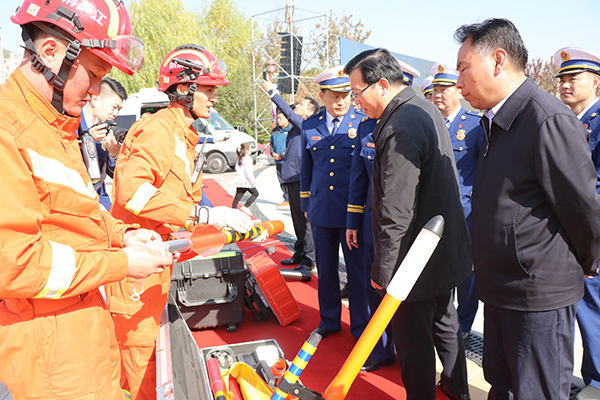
{"type": "Point", "coordinates": [209, 291]}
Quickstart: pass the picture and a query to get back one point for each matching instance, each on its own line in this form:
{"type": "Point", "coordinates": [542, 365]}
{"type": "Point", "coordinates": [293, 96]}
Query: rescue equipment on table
{"type": "Point", "coordinates": [207, 240]}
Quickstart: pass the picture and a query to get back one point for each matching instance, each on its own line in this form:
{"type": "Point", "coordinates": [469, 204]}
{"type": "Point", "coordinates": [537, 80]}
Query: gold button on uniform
{"type": "Point", "coordinates": [460, 148]}
{"type": "Point", "coordinates": [332, 161]}
{"type": "Point", "coordinates": [332, 147]}
{"type": "Point", "coordinates": [314, 148]}
{"type": "Point", "coordinates": [330, 187]}
{"type": "Point", "coordinates": [353, 146]}
{"type": "Point", "coordinates": [369, 157]}
{"type": "Point", "coordinates": [331, 174]}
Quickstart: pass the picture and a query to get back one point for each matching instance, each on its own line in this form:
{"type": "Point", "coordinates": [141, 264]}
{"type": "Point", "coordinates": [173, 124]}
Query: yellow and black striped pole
{"type": "Point", "coordinates": [290, 378]}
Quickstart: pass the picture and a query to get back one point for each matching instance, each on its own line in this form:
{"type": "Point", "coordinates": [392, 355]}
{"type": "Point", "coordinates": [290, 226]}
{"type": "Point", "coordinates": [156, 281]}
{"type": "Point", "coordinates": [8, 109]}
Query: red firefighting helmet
{"type": "Point", "coordinates": [102, 26]}
{"type": "Point", "coordinates": [191, 63]}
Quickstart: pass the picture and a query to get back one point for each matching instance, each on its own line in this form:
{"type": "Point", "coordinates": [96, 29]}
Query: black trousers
{"type": "Point", "coordinates": [528, 355]}
{"type": "Point", "coordinates": [420, 326]}
{"type": "Point", "coordinates": [305, 246]}
{"type": "Point", "coordinates": [240, 192]}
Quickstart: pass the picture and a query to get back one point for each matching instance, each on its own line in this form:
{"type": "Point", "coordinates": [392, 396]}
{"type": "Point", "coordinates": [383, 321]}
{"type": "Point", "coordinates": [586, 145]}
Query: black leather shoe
{"type": "Point", "coordinates": [344, 292]}
{"type": "Point", "coordinates": [451, 395]}
{"type": "Point", "coordinates": [325, 332]}
{"type": "Point", "coordinates": [371, 366]}
{"type": "Point", "coordinates": [303, 267]}
{"type": "Point", "coordinates": [291, 261]}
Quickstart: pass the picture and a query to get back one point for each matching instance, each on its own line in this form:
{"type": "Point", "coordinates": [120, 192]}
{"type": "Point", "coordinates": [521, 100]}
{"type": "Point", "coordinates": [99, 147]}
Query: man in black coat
{"type": "Point", "coordinates": [414, 179]}
{"type": "Point", "coordinates": [535, 223]}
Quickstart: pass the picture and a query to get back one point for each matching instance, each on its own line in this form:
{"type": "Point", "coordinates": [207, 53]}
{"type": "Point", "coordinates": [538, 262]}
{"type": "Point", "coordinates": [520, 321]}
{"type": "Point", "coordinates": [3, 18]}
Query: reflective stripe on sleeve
{"type": "Point", "coordinates": [51, 170]}
{"type": "Point", "coordinates": [141, 197]}
{"type": "Point", "coordinates": [180, 152]}
{"type": "Point", "coordinates": [61, 273]}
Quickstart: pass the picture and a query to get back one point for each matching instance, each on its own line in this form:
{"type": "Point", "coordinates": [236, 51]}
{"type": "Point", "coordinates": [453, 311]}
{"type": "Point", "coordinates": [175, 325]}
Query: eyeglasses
{"type": "Point", "coordinates": [355, 95]}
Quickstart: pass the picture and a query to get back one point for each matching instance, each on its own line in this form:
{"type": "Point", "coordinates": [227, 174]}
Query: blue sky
{"type": "Point", "coordinates": [423, 29]}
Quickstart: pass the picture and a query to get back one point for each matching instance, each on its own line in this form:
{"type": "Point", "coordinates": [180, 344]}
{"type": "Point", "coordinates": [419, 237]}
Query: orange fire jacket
{"type": "Point", "coordinates": [152, 187]}
{"type": "Point", "coordinates": [56, 248]}
{"type": "Point", "coordinates": [152, 176]}
{"type": "Point", "coordinates": [55, 241]}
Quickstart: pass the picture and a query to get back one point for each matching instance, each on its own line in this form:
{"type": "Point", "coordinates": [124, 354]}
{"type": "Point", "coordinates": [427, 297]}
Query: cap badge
{"type": "Point", "coordinates": [564, 56]}
{"type": "Point", "coordinates": [460, 134]}
{"type": "Point", "coordinates": [441, 69]}
{"type": "Point", "coordinates": [340, 73]}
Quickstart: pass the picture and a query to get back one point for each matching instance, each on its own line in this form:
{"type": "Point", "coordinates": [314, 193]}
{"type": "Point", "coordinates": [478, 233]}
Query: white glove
{"type": "Point", "coordinates": [224, 216]}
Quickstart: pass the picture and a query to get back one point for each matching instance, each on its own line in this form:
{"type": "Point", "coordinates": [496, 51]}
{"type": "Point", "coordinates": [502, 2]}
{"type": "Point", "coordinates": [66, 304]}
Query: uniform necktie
{"type": "Point", "coordinates": [335, 126]}
{"type": "Point", "coordinates": [447, 123]}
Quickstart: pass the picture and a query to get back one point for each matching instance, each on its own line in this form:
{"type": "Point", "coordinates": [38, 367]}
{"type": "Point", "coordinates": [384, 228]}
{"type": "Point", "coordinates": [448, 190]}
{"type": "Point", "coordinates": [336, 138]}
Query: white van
{"type": "Point", "coordinates": [219, 155]}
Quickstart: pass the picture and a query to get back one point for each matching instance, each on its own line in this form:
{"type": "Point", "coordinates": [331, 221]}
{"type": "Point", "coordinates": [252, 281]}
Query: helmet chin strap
{"type": "Point", "coordinates": [57, 81]}
{"type": "Point", "coordinates": [186, 100]}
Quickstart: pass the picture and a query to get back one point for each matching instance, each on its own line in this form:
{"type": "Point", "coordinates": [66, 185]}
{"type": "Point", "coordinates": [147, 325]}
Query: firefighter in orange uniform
{"type": "Point", "coordinates": [153, 188]}
{"type": "Point", "coordinates": [57, 246]}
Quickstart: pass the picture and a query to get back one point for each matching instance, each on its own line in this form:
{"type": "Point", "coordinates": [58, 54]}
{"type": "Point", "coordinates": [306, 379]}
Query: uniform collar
{"type": "Point", "coordinates": [191, 135]}
{"type": "Point", "coordinates": [581, 114]}
{"type": "Point", "coordinates": [452, 116]}
{"type": "Point", "coordinates": [38, 103]}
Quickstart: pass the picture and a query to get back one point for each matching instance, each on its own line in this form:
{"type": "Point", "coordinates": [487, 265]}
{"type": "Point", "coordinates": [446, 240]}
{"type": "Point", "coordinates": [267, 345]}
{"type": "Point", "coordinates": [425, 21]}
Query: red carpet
{"type": "Point", "coordinates": [331, 353]}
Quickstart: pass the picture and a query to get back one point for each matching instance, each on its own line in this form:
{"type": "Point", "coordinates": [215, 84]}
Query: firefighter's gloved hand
{"type": "Point", "coordinates": [224, 216]}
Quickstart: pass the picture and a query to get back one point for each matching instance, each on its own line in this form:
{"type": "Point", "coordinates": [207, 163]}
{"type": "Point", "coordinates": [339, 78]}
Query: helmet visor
{"type": "Point", "coordinates": [128, 49]}
{"type": "Point", "coordinates": [218, 68]}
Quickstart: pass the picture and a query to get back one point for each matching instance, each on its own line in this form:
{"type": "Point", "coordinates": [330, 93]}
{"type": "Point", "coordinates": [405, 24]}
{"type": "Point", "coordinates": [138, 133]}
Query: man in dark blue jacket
{"type": "Point", "coordinates": [304, 247]}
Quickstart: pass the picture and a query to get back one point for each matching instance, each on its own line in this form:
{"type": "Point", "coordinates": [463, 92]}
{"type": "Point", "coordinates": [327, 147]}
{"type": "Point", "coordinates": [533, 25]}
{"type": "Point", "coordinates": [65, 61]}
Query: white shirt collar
{"type": "Point", "coordinates": [490, 113]}
{"type": "Point", "coordinates": [581, 114]}
{"type": "Point", "coordinates": [330, 118]}
{"type": "Point", "coordinates": [453, 115]}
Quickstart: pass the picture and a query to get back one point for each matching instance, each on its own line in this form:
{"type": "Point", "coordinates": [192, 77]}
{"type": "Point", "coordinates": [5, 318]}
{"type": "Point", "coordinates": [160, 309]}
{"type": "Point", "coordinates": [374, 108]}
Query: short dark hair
{"type": "Point", "coordinates": [493, 34]}
{"type": "Point", "coordinates": [115, 86]}
{"type": "Point", "coordinates": [312, 104]}
{"type": "Point", "coordinates": [376, 64]}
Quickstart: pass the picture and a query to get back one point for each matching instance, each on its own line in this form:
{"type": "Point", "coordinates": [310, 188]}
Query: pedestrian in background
{"type": "Point", "coordinates": [245, 179]}
{"type": "Point", "coordinates": [278, 147]}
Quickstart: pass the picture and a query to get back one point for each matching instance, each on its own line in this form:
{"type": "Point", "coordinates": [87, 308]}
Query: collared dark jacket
{"type": "Point", "coordinates": [415, 179]}
{"type": "Point", "coordinates": [536, 214]}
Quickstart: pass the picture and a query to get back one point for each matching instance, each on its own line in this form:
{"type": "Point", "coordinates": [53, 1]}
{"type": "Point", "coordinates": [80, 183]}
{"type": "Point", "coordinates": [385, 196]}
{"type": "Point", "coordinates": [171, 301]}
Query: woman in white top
{"type": "Point", "coordinates": [245, 179]}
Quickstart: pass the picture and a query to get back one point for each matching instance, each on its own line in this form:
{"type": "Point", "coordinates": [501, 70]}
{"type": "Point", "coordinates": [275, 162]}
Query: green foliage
{"type": "Point", "coordinates": [162, 25]}
{"type": "Point", "coordinates": [224, 30]}
{"type": "Point", "coordinates": [230, 36]}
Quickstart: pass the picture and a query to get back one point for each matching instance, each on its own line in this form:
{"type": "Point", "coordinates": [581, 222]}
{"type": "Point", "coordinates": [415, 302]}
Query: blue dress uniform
{"type": "Point", "coordinates": [324, 184]}
{"type": "Point", "coordinates": [588, 313]}
{"type": "Point", "coordinates": [574, 61]}
{"type": "Point", "coordinates": [359, 217]}
{"type": "Point", "coordinates": [466, 135]}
